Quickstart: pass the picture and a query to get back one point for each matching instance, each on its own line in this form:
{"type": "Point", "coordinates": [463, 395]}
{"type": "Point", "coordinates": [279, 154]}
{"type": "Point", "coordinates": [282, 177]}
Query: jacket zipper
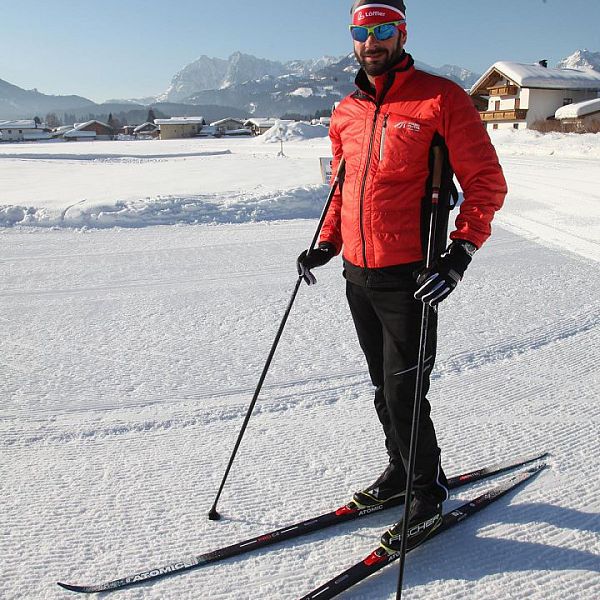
{"type": "Point", "coordinates": [364, 185]}
{"type": "Point", "coordinates": [382, 143]}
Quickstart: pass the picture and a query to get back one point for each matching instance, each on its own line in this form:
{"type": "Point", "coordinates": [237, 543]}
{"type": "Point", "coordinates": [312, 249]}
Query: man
{"type": "Point", "coordinates": [385, 131]}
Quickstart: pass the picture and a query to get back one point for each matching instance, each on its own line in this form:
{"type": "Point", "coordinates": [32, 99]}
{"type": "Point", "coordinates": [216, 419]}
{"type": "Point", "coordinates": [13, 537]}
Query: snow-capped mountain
{"type": "Point", "coordinates": [266, 87]}
{"type": "Point", "coordinates": [307, 67]}
{"type": "Point", "coordinates": [581, 59]}
{"type": "Point", "coordinates": [460, 75]}
{"type": "Point", "coordinates": [207, 73]}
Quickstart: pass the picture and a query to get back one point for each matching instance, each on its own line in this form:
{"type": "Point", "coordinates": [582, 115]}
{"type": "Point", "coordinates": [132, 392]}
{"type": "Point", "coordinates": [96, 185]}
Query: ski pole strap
{"type": "Point", "coordinates": [436, 182]}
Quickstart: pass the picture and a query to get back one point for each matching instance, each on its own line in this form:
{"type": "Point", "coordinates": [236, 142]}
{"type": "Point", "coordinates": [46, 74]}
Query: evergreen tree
{"type": "Point", "coordinates": [326, 112]}
{"type": "Point", "coordinates": [113, 122]}
{"type": "Point", "coordinates": [151, 116]}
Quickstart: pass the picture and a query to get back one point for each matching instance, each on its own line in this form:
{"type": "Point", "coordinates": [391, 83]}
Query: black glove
{"type": "Point", "coordinates": [315, 258]}
{"type": "Point", "coordinates": [437, 282]}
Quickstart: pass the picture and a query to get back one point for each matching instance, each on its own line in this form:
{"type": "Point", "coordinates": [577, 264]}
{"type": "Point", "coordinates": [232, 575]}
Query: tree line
{"type": "Point", "coordinates": [116, 120]}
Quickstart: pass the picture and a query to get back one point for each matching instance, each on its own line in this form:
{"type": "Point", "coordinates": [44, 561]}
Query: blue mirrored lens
{"type": "Point", "coordinates": [359, 34]}
{"type": "Point", "coordinates": [384, 32]}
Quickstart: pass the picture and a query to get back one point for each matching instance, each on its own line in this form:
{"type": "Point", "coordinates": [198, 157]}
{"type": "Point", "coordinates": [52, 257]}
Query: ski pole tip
{"type": "Point", "coordinates": [213, 515]}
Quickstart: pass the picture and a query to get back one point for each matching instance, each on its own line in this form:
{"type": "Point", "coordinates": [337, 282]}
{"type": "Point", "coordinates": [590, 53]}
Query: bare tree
{"type": "Point", "coordinates": [52, 120]}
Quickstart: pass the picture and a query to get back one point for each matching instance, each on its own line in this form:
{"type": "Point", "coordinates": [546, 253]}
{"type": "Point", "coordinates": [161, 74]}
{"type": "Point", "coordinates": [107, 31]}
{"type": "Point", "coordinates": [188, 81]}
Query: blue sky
{"type": "Point", "coordinates": [131, 48]}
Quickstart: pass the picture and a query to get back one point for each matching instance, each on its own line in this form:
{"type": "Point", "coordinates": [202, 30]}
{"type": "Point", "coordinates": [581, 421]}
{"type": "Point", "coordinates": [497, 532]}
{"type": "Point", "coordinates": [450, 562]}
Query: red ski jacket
{"type": "Point", "coordinates": [386, 138]}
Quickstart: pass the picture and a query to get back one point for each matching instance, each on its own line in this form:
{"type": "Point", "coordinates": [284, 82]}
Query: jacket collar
{"type": "Point", "coordinates": [395, 77]}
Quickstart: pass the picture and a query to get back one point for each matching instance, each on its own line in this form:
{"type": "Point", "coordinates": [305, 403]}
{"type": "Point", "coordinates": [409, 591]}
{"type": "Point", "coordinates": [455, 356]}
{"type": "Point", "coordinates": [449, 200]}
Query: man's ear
{"type": "Point", "coordinates": [403, 37]}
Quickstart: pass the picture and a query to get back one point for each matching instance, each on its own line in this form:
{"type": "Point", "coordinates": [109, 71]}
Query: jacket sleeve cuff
{"type": "Point", "coordinates": [337, 248]}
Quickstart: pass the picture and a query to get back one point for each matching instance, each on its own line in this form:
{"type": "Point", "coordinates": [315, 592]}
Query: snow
{"type": "Point", "coordinates": [294, 131]}
{"type": "Point", "coordinates": [130, 355]}
{"type": "Point", "coordinates": [179, 121]}
{"type": "Point", "coordinates": [581, 59]}
{"type": "Point", "coordinates": [77, 133]}
{"type": "Point", "coordinates": [536, 76]}
{"type": "Point", "coordinates": [18, 124]}
{"type": "Point", "coordinates": [578, 109]}
{"type": "Point", "coordinates": [80, 126]}
{"type": "Point", "coordinates": [305, 92]}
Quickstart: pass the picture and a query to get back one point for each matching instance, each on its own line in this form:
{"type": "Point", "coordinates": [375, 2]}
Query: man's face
{"type": "Point", "coordinates": [378, 56]}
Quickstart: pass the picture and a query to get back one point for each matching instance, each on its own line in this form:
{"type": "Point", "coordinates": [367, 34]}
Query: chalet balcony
{"type": "Point", "coordinates": [504, 90]}
{"type": "Point", "coordinates": [514, 114]}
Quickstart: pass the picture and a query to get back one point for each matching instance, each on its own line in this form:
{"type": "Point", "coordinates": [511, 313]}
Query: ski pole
{"type": "Point", "coordinates": [213, 514]}
{"type": "Point", "coordinates": [414, 434]}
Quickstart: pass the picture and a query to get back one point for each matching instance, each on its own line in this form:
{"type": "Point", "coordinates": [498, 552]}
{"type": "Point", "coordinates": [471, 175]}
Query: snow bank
{"type": "Point", "coordinates": [293, 132]}
{"type": "Point", "coordinates": [297, 203]}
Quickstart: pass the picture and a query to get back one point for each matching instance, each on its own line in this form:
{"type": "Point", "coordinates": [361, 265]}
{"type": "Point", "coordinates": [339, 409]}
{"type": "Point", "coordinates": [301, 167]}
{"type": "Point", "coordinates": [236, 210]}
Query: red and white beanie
{"type": "Point", "coordinates": [372, 12]}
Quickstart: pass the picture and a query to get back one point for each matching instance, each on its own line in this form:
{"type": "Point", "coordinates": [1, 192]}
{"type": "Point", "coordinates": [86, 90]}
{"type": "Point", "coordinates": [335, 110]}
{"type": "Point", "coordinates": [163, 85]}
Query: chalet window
{"type": "Point", "coordinates": [495, 126]}
{"type": "Point", "coordinates": [517, 102]}
{"type": "Point", "coordinates": [497, 105]}
{"type": "Point", "coordinates": [20, 131]}
{"type": "Point", "coordinates": [515, 126]}
{"type": "Point", "coordinates": [10, 131]}
{"type": "Point", "coordinates": [567, 101]}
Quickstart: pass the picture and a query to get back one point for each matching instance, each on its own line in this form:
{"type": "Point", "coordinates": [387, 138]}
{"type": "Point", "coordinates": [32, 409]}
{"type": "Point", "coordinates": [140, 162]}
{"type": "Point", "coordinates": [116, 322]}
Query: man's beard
{"type": "Point", "coordinates": [382, 65]}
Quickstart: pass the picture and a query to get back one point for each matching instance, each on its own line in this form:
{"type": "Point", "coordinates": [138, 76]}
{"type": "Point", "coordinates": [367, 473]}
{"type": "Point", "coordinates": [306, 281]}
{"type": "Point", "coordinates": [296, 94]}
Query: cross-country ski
{"type": "Point", "coordinates": [380, 557]}
{"type": "Point", "coordinates": [343, 514]}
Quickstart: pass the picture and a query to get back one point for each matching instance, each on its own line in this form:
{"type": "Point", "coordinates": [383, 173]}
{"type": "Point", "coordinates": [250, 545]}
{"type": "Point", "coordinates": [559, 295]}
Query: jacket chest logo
{"type": "Point", "coordinates": [408, 125]}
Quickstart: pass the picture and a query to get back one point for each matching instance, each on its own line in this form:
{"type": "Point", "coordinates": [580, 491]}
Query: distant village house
{"type": "Point", "coordinates": [23, 130]}
{"type": "Point", "coordinates": [146, 130]}
{"type": "Point", "coordinates": [519, 95]}
{"type": "Point", "coordinates": [90, 130]}
{"type": "Point", "coordinates": [179, 127]}
{"type": "Point", "coordinates": [224, 126]}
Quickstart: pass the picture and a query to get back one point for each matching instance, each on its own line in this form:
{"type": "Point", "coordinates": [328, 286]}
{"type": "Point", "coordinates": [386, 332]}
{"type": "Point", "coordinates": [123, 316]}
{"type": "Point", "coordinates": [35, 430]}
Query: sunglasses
{"type": "Point", "coordinates": [382, 32]}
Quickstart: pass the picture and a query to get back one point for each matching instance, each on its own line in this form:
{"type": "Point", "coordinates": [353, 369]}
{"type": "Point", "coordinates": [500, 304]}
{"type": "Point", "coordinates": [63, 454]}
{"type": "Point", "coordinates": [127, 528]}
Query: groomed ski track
{"type": "Point", "coordinates": [129, 358]}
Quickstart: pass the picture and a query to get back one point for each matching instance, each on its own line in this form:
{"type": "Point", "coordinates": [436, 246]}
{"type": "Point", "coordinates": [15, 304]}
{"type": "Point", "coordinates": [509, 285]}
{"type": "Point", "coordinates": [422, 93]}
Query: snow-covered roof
{"type": "Point", "coordinates": [180, 121]}
{"type": "Point", "coordinates": [75, 133]}
{"type": "Point", "coordinates": [579, 109]}
{"type": "Point", "coordinates": [266, 122]}
{"type": "Point", "coordinates": [146, 125]}
{"type": "Point", "coordinates": [80, 126]}
{"type": "Point", "coordinates": [227, 120]}
{"type": "Point", "coordinates": [537, 76]}
{"type": "Point", "coordinates": [19, 124]}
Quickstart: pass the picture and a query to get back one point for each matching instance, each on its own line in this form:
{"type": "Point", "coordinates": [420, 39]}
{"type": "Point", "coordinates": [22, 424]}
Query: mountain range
{"type": "Point", "coordinates": [581, 59]}
{"type": "Point", "coordinates": [240, 86]}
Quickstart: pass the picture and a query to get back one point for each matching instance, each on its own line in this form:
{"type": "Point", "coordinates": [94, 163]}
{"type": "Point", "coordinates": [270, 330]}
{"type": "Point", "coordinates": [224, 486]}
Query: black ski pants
{"type": "Point", "coordinates": [388, 324]}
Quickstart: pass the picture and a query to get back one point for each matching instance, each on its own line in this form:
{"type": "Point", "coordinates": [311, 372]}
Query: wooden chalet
{"type": "Point", "coordinates": [519, 95]}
